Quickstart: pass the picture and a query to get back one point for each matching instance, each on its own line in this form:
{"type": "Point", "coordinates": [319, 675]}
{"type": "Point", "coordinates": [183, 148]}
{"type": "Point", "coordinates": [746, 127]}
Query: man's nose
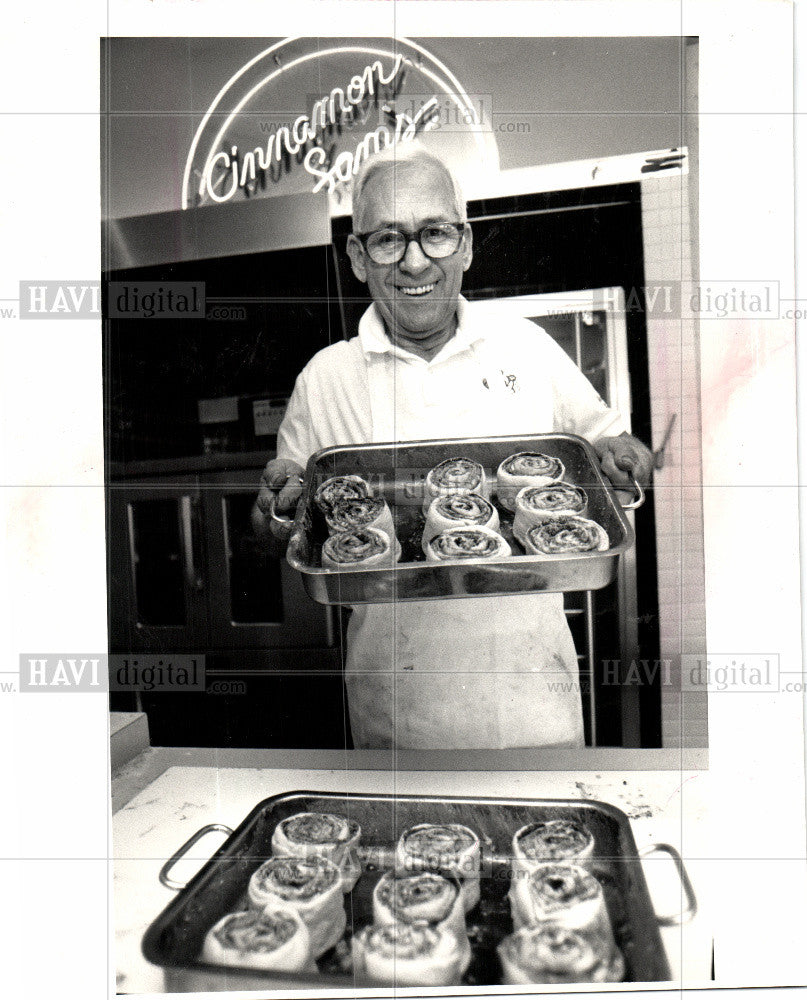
{"type": "Point", "coordinates": [414, 260]}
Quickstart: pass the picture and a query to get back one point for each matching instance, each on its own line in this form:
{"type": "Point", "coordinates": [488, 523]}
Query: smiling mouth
{"type": "Point", "coordinates": [418, 290]}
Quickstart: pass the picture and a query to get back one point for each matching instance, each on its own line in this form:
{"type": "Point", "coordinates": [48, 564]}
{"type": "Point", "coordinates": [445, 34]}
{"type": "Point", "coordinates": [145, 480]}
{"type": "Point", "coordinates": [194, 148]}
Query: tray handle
{"type": "Point", "coordinates": [691, 907]}
{"type": "Point", "coordinates": [284, 522]}
{"type": "Point", "coordinates": [638, 489]}
{"type": "Point", "coordinates": [164, 877]}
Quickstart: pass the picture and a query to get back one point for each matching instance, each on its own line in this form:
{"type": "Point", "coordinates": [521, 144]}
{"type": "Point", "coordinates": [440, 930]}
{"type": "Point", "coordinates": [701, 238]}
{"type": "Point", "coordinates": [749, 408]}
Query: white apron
{"type": "Point", "coordinates": [462, 673]}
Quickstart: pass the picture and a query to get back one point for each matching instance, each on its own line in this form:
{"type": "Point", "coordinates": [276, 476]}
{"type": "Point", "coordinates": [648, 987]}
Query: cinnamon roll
{"type": "Point", "coordinates": [550, 953]}
{"type": "Point", "coordinates": [554, 840]}
{"type": "Point", "coordinates": [454, 475]}
{"type": "Point", "coordinates": [401, 954]}
{"type": "Point", "coordinates": [526, 468]}
{"type": "Point", "coordinates": [561, 536]}
{"type": "Point", "coordinates": [422, 897]}
{"type": "Point", "coordinates": [333, 837]}
{"type": "Point", "coordinates": [273, 940]}
{"type": "Point", "coordinates": [457, 511]}
{"type": "Point", "coordinates": [536, 504]}
{"type": "Point", "coordinates": [352, 513]}
{"type": "Point", "coordinates": [339, 488]}
{"type": "Point", "coordinates": [311, 887]}
{"type": "Point", "coordinates": [466, 543]}
{"type": "Point", "coordinates": [360, 548]}
{"type": "Point", "coordinates": [563, 894]}
{"type": "Point", "coordinates": [448, 848]}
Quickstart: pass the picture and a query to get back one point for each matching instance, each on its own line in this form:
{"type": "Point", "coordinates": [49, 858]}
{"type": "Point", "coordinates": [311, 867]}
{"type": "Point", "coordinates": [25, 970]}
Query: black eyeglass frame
{"type": "Point", "coordinates": [412, 237]}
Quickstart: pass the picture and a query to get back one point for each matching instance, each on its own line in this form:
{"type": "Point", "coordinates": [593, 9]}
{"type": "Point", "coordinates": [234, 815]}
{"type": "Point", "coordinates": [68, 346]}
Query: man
{"type": "Point", "coordinates": [483, 672]}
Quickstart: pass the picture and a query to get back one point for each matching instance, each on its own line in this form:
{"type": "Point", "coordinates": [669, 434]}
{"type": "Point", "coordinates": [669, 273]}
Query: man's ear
{"type": "Point", "coordinates": [468, 248]}
{"type": "Point", "coordinates": [356, 253]}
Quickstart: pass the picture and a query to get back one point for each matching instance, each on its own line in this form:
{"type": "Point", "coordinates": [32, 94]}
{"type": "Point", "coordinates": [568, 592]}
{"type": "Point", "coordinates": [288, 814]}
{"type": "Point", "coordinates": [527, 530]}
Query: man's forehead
{"type": "Point", "coordinates": [398, 192]}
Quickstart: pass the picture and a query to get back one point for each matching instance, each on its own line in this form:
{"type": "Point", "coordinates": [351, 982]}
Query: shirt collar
{"type": "Point", "coordinates": [374, 340]}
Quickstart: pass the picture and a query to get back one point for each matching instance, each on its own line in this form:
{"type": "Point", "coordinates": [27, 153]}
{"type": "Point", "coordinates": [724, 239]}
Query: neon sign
{"type": "Point", "coordinates": [327, 114]}
{"type": "Point", "coordinates": [347, 164]}
{"type": "Point", "coordinates": [217, 170]}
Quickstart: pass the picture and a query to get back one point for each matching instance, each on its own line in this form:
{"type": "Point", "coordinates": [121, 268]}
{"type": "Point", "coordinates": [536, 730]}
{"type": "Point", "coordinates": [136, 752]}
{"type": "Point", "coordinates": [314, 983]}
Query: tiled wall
{"type": "Point", "coordinates": [674, 352]}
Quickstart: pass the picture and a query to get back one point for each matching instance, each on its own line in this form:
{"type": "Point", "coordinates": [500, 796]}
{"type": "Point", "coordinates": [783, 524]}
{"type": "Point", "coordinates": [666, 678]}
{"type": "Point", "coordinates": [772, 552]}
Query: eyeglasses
{"type": "Point", "coordinates": [388, 246]}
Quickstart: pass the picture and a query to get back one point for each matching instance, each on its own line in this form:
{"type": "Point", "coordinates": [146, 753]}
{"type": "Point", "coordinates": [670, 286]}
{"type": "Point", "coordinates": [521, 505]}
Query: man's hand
{"type": "Point", "coordinates": [281, 481]}
{"type": "Point", "coordinates": [622, 455]}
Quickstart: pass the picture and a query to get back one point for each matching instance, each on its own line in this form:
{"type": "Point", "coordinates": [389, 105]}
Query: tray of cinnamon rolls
{"type": "Point", "coordinates": [457, 518]}
{"type": "Point", "coordinates": [374, 890]}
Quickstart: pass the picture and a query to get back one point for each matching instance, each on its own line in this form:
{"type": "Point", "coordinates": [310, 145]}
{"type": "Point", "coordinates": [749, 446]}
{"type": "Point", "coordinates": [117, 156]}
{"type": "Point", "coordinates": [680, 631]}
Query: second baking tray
{"type": "Point", "coordinates": [398, 471]}
{"type": "Point", "coordinates": [174, 940]}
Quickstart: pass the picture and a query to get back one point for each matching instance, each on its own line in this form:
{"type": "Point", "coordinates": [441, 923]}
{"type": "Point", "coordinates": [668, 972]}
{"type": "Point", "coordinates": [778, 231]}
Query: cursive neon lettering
{"type": "Point", "coordinates": [422, 121]}
{"type": "Point", "coordinates": [227, 166]}
{"type": "Point", "coordinates": [355, 90]}
{"type": "Point", "coordinates": [406, 130]}
{"type": "Point", "coordinates": [264, 161]}
{"type": "Point", "coordinates": [335, 117]}
{"type": "Point", "coordinates": [283, 139]}
{"type": "Point", "coordinates": [341, 108]}
{"type": "Point", "coordinates": [300, 131]}
{"type": "Point", "coordinates": [343, 168]}
{"type": "Point", "coordinates": [247, 169]}
{"type": "Point", "coordinates": [371, 139]}
{"type": "Point", "coordinates": [396, 69]}
{"type": "Point", "coordinates": [318, 153]}
{"type": "Point", "coordinates": [319, 118]}
{"type": "Point", "coordinates": [401, 120]}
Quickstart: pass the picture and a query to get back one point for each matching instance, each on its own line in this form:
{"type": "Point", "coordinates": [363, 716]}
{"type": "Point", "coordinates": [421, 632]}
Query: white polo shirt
{"type": "Point", "coordinates": [484, 672]}
{"type": "Point", "coordinates": [513, 378]}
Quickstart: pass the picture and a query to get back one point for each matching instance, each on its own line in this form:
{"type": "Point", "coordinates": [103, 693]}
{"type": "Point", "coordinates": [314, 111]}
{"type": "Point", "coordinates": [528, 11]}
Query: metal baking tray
{"type": "Point", "coordinates": [174, 940]}
{"type": "Point", "coordinates": [398, 471]}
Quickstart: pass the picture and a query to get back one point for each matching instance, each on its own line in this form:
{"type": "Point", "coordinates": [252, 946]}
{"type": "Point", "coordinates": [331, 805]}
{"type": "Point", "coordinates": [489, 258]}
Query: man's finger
{"type": "Point", "coordinates": [615, 474]}
{"type": "Point", "coordinates": [290, 494]}
{"type": "Point", "coordinates": [275, 478]}
{"type": "Point", "coordinates": [264, 501]}
{"type": "Point", "coordinates": [626, 459]}
{"type": "Point", "coordinates": [640, 462]}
